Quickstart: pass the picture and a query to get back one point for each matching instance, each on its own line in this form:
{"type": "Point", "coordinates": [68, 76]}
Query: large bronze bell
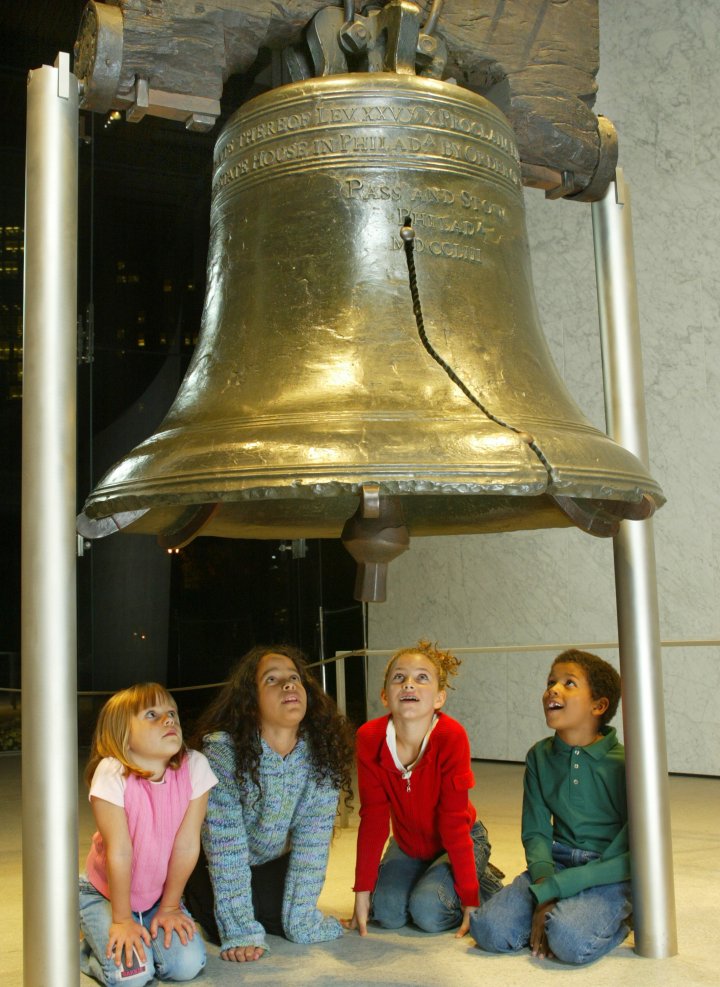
{"type": "Point", "coordinates": [369, 323]}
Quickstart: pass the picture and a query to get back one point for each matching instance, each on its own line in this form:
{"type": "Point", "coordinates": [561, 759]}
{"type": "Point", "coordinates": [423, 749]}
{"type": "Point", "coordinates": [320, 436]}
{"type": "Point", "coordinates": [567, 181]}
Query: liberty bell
{"type": "Point", "coordinates": [371, 363]}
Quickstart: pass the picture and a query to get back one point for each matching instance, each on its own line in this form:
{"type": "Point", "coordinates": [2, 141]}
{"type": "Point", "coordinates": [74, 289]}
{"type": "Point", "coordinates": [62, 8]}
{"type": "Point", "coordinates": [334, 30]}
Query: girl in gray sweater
{"type": "Point", "coordinates": [282, 756]}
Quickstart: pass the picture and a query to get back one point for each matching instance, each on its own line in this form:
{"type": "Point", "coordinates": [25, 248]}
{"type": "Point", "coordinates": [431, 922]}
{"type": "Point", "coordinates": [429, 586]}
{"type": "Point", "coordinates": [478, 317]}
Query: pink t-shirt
{"type": "Point", "coordinates": [154, 810]}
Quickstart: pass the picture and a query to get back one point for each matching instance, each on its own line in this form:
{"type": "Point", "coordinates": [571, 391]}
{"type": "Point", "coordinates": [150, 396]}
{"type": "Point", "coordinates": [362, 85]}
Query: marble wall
{"type": "Point", "coordinates": [660, 84]}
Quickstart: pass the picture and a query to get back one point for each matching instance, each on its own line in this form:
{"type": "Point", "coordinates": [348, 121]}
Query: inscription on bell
{"type": "Point", "coordinates": [447, 224]}
{"type": "Point", "coordinates": [364, 191]}
{"type": "Point", "coordinates": [335, 132]}
{"type": "Point", "coordinates": [442, 248]}
{"type": "Point", "coordinates": [413, 115]}
{"type": "Point", "coordinates": [338, 145]}
{"type": "Point", "coordinates": [356, 188]}
{"type": "Point", "coordinates": [483, 226]}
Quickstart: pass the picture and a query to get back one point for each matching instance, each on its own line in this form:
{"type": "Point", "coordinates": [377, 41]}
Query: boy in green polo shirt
{"type": "Point", "coordinates": [573, 901]}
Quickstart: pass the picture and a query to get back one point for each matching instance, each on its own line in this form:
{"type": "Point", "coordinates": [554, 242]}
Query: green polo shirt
{"type": "Point", "coordinates": [575, 795]}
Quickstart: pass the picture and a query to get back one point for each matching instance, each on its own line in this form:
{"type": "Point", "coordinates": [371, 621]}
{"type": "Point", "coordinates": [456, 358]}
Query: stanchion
{"type": "Point", "coordinates": [49, 676]}
{"type": "Point", "coordinates": [635, 586]}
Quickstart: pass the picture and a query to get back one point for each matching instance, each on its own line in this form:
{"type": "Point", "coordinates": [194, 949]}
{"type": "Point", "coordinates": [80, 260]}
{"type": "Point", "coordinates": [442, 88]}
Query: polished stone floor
{"type": "Point", "coordinates": [408, 957]}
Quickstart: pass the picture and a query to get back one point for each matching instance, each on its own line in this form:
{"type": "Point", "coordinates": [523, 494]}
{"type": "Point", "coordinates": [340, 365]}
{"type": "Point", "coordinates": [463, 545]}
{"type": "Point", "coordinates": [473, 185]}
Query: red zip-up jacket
{"type": "Point", "coordinates": [430, 815]}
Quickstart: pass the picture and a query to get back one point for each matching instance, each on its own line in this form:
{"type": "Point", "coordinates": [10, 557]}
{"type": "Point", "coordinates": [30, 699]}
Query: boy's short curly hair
{"type": "Point", "coordinates": [445, 663]}
{"type": "Point", "coordinates": [603, 679]}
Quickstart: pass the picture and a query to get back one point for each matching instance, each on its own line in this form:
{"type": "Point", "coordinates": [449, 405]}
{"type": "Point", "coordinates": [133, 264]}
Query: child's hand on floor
{"type": "Point", "coordinates": [361, 913]}
{"type": "Point", "coordinates": [465, 924]}
{"type": "Point", "coordinates": [242, 954]}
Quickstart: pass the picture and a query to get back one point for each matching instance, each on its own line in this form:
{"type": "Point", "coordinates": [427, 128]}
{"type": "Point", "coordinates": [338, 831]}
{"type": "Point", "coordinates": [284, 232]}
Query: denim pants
{"type": "Point", "coordinates": [178, 962]}
{"type": "Point", "coordinates": [579, 929]}
{"type": "Point", "coordinates": [423, 891]}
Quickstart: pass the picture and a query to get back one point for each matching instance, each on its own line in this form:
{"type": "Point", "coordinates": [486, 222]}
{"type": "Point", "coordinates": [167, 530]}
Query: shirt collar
{"type": "Point", "coordinates": [597, 750]}
{"type": "Point", "coordinates": [391, 741]}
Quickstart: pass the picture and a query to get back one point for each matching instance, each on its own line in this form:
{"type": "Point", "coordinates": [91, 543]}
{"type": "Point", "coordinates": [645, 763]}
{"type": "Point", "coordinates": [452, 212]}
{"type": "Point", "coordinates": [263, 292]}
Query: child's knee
{"type": "Point", "coordinates": [431, 917]}
{"type": "Point", "coordinates": [490, 934]}
{"type": "Point", "coordinates": [180, 962]}
{"type": "Point", "coordinates": [482, 931]}
{"type": "Point", "coordinates": [502, 924]}
{"type": "Point", "coordinates": [135, 980]}
{"type": "Point", "coordinates": [390, 919]}
{"type": "Point", "coordinates": [137, 976]}
{"type": "Point", "coordinates": [434, 908]}
{"type": "Point", "coordinates": [390, 908]}
{"type": "Point", "coordinates": [580, 936]}
{"type": "Point", "coordinates": [567, 943]}
{"type": "Point", "coordinates": [570, 943]}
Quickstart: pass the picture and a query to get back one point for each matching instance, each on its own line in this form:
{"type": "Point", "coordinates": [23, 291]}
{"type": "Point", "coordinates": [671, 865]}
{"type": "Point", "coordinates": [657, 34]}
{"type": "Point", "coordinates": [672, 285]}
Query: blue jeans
{"type": "Point", "coordinates": [423, 891]}
{"type": "Point", "coordinates": [579, 929]}
{"type": "Point", "coordinates": [178, 962]}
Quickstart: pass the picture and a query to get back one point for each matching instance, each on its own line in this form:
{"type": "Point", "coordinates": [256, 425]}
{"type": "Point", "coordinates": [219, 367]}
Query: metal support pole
{"type": "Point", "coordinates": [49, 671]}
{"type": "Point", "coordinates": [321, 647]}
{"type": "Point", "coordinates": [635, 586]}
{"type": "Point", "coordinates": [342, 706]}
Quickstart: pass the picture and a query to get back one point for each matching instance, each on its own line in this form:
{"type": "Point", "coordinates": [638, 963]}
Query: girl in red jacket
{"type": "Point", "coordinates": [414, 772]}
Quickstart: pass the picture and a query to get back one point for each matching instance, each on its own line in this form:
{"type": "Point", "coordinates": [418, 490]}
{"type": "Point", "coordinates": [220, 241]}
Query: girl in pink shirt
{"type": "Point", "coordinates": [148, 795]}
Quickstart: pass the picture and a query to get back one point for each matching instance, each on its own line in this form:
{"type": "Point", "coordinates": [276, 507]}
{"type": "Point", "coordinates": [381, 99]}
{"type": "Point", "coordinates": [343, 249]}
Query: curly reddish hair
{"type": "Point", "coordinates": [445, 663]}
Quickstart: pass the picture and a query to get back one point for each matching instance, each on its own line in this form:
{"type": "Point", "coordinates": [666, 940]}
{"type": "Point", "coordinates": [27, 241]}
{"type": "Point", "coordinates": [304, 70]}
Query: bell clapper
{"type": "Point", "coordinates": [374, 536]}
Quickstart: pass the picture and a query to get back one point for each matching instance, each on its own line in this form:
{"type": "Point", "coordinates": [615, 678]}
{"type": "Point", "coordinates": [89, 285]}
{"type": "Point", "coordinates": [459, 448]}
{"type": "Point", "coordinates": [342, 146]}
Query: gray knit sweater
{"type": "Point", "coordinates": [242, 830]}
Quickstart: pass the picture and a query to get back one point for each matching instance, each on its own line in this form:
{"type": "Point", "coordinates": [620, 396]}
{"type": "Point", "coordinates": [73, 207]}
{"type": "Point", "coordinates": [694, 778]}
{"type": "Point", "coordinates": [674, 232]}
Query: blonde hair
{"type": "Point", "coordinates": [445, 663]}
{"type": "Point", "coordinates": [112, 731]}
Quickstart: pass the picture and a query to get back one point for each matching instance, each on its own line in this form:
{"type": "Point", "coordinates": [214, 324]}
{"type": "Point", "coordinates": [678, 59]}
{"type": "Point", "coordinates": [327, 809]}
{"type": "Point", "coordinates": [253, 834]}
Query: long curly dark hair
{"type": "Point", "coordinates": [235, 710]}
